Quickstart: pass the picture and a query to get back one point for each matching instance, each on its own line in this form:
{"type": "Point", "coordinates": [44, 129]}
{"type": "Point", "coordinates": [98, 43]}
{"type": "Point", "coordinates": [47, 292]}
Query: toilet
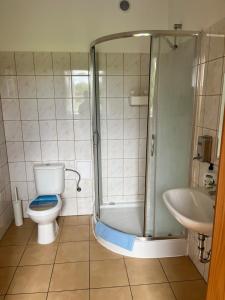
{"type": "Point", "coordinates": [46, 206]}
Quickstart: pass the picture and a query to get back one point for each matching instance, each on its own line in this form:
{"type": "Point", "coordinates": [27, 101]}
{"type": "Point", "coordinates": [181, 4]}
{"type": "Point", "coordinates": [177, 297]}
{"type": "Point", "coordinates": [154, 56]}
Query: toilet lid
{"type": "Point", "coordinates": [43, 202]}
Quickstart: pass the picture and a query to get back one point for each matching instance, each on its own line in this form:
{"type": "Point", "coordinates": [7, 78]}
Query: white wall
{"type": "Point", "coordinates": [70, 25]}
{"type": "Point", "coordinates": [195, 15]}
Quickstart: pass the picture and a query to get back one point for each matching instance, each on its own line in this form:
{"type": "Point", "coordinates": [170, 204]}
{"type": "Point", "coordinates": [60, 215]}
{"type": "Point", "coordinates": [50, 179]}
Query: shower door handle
{"type": "Point", "coordinates": [95, 138]}
{"type": "Point", "coordinates": [153, 145]}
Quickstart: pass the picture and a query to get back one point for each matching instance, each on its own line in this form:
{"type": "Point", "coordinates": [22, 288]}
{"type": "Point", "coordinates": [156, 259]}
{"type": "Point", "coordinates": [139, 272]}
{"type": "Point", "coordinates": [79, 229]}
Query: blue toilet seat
{"type": "Point", "coordinates": [43, 202]}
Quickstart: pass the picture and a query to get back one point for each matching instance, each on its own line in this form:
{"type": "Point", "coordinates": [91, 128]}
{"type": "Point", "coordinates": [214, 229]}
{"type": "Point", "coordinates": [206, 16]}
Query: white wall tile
{"type": "Point", "coordinates": [31, 190]}
{"type": "Point", "coordinates": [115, 129]}
{"type": "Point", "coordinates": [15, 151]}
{"type": "Point", "coordinates": [145, 58]}
{"type": "Point", "coordinates": [132, 64]}
{"type": "Point", "coordinates": [84, 206]}
{"type": "Point", "coordinates": [30, 131]}
{"type": "Point", "coordinates": [115, 108]}
{"type": "Point", "coordinates": [130, 185]}
{"type": "Point", "coordinates": [132, 86]}
{"type": "Point", "coordinates": [79, 63]}
{"type": "Point", "coordinates": [114, 64]}
{"type": "Point", "coordinates": [49, 150]}
{"type": "Point", "coordinates": [8, 87]}
{"type": "Point", "coordinates": [7, 63]}
{"type": "Point", "coordinates": [114, 86]}
{"type": "Point", "coordinates": [62, 86]}
{"type": "Point", "coordinates": [81, 108]}
{"type": "Point", "coordinates": [64, 109]}
{"type": "Point", "coordinates": [46, 109]}
{"type": "Point", "coordinates": [131, 148]}
{"type": "Point", "coordinates": [70, 189]}
{"type": "Point", "coordinates": [17, 171]}
{"type": "Point", "coordinates": [66, 150]}
{"type": "Point", "coordinates": [102, 86]}
{"type": "Point", "coordinates": [45, 87]}
{"type": "Point", "coordinates": [143, 128]}
{"type": "Point", "coordinates": [30, 170]}
{"type": "Point", "coordinates": [10, 109]}
{"type": "Point", "coordinates": [115, 149]}
{"type": "Point", "coordinates": [115, 168]}
{"type": "Point", "coordinates": [130, 111]}
{"type": "Point", "coordinates": [21, 189]}
{"type": "Point", "coordinates": [130, 167]}
{"type": "Point", "coordinates": [61, 63]}
{"type": "Point", "coordinates": [27, 86]}
{"type": "Point", "coordinates": [43, 63]}
{"type": "Point", "coordinates": [83, 150]}
{"type": "Point", "coordinates": [13, 131]}
{"type": "Point", "coordinates": [131, 128]}
{"type": "Point", "coordinates": [115, 186]}
{"type": "Point", "coordinates": [48, 130]}
{"type": "Point", "coordinates": [65, 130]}
{"type": "Point", "coordinates": [84, 167]}
{"type": "Point", "coordinates": [32, 151]}
{"type": "Point", "coordinates": [28, 109]}
{"type": "Point", "coordinates": [82, 130]}
{"type": "Point", "coordinates": [142, 148]}
{"type": "Point", "coordinates": [24, 63]}
{"type": "Point", "coordinates": [86, 188]}
{"type": "Point", "coordinates": [69, 207]}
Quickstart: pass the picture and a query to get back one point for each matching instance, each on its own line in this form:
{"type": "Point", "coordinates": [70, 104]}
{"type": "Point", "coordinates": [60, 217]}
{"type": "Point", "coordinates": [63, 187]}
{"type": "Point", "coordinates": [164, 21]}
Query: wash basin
{"type": "Point", "coordinates": [191, 208]}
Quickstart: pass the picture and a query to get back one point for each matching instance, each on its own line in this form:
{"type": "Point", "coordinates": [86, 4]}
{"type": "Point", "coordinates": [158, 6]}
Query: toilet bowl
{"type": "Point", "coordinates": [45, 208]}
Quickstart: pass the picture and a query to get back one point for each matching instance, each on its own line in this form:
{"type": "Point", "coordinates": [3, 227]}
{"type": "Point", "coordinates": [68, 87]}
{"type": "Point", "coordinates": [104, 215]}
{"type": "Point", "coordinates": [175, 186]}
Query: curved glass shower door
{"type": "Point", "coordinates": [170, 123]}
{"type": "Point", "coordinates": [120, 118]}
{"type": "Point", "coordinates": [142, 107]}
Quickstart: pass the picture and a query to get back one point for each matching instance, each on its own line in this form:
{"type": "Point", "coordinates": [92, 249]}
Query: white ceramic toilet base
{"type": "Point", "coordinates": [47, 233]}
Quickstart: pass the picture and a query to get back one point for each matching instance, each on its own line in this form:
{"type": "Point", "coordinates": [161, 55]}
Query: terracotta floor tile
{"type": "Point", "coordinates": [73, 295]}
{"type": "Point", "coordinates": [190, 290]}
{"type": "Point", "coordinates": [108, 273]}
{"type": "Point", "coordinates": [72, 252]}
{"type": "Point", "coordinates": [10, 255]}
{"type": "Point", "coordinates": [77, 220]}
{"type": "Point", "coordinates": [16, 236]}
{"type": "Point", "coordinates": [38, 255]}
{"type": "Point", "coordinates": [38, 296]}
{"type": "Point", "coordinates": [92, 237]}
{"type": "Point", "coordinates": [6, 275]}
{"type": "Point", "coordinates": [98, 252]}
{"type": "Point", "coordinates": [31, 279]}
{"type": "Point", "coordinates": [118, 293]}
{"type": "Point", "coordinates": [179, 269]}
{"type": "Point", "coordinates": [70, 276]}
{"type": "Point", "coordinates": [74, 233]}
{"type": "Point", "coordinates": [144, 271]}
{"type": "Point", "coordinates": [27, 222]}
{"type": "Point", "coordinates": [160, 291]}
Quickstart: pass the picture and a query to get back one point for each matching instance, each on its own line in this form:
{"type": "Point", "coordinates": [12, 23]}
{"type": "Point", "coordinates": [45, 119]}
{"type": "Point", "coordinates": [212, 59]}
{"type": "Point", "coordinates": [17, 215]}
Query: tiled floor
{"type": "Point", "coordinates": [76, 267]}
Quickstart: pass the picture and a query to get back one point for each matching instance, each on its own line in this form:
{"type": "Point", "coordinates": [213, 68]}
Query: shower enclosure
{"type": "Point", "coordinates": [142, 112]}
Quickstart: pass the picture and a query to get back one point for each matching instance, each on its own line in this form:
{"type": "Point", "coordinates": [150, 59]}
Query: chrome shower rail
{"type": "Point", "coordinates": [153, 33]}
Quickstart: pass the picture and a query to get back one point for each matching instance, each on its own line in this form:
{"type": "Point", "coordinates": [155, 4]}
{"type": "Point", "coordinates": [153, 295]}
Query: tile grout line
{"type": "Point", "coordinates": [53, 265]}
{"type": "Point", "coordinates": [128, 278]}
{"type": "Point", "coordinates": [18, 265]}
{"type": "Point", "coordinates": [167, 279]}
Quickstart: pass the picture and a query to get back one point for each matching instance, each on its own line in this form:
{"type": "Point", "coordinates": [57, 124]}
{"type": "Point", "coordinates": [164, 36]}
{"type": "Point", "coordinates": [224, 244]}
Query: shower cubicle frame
{"type": "Point", "coordinates": [96, 112]}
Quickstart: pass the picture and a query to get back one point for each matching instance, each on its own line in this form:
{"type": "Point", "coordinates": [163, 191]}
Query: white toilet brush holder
{"type": "Point", "coordinates": [17, 208]}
